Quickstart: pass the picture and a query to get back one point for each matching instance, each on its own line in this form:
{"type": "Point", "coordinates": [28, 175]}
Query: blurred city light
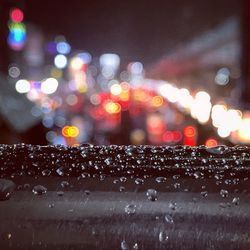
{"type": "Point", "coordinates": [16, 15]}
{"type": "Point", "coordinates": [185, 99]}
{"type": "Point", "coordinates": [76, 63]}
{"type": "Point", "coordinates": [107, 95]}
{"type": "Point", "coordinates": [112, 107]}
{"type": "Point", "coordinates": [110, 60]}
{"type": "Point", "coordinates": [49, 86]}
{"type": "Point", "coordinates": [223, 131]}
{"type": "Point", "coordinates": [190, 134]}
{"type": "Point", "coordinates": [222, 76]}
{"type": "Point", "coordinates": [70, 131]}
{"type": "Point", "coordinates": [201, 107]}
{"type": "Point", "coordinates": [17, 35]}
{"type": "Point", "coordinates": [244, 130]}
{"type": "Point", "coordinates": [60, 61]}
{"type": "Point", "coordinates": [63, 48]}
{"type": "Point", "coordinates": [14, 71]}
{"type": "Point", "coordinates": [136, 68]}
{"type": "Point", "coordinates": [85, 56]}
{"type": "Point", "coordinates": [211, 142]}
{"type": "Point", "coordinates": [116, 89]}
{"type": "Point", "coordinates": [157, 101]}
{"type": "Point", "coordinates": [22, 86]}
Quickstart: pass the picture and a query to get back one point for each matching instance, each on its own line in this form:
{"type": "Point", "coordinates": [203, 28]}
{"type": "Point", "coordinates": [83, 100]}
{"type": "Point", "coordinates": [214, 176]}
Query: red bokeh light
{"type": "Point", "coordinates": [189, 131]}
{"type": "Point", "coordinates": [168, 136]}
{"type": "Point", "coordinates": [16, 15]}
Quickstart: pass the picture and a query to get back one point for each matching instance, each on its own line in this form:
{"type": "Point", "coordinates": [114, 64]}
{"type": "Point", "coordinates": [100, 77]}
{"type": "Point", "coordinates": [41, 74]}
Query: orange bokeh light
{"type": "Point", "coordinates": [189, 131]}
{"type": "Point", "coordinates": [157, 101]}
{"type": "Point", "coordinates": [70, 131]}
{"type": "Point", "coordinates": [211, 142]}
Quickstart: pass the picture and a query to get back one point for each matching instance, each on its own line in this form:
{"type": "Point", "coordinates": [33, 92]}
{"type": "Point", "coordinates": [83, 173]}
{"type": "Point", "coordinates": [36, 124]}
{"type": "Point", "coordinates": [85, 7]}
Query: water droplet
{"type": "Point", "coordinates": [224, 193]}
{"type": "Point", "coordinates": [236, 201]}
{"type": "Point", "coordinates": [177, 185]}
{"type": "Point", "coordinates": [123, 179]}
{"type": "Point", "coordinates": [139, 181]}
{"type": "Point", "coordinates": [161, 179]}
{"type": "Point", "coordinates": [6, 189]}
{"type": "Point", "coordinates": [198, 175]}
{"type": "Point", "coordinates": [115, 181]}
{"type": "Point", "coordinates": [129, 150]}
{"type": "Point", "coordinates": [130, 209]}
{"type": "Point", "coordinates": [87, 192]}
{"type": "Point", "coordinates": [26, 186]}
{"type": "Point", "coordinates": [204, 194]}
{"type": "Point", "coordinates": [218, 150]}
{"type": "Point", "coordinates": [121, 188]}
{"type": "Point", "coordinates": [136, 246]}
{"type": "Point", "coordinates": [64, 184]}
{"type": "Point", "coordinates": [152, 194]}
{"type": "Point", "coordinates": [102, 177]}
{"type": "Point", "coordinates": [60, 193]}
{"type": "Point", "coordinates": [108, 161]}
{"type": "Point", "coordinates": [51, 205]}
{"type": "Point", "coordinates": [169, 219]}
{"type": "Point", "coordinates": [176, 177]}
{"type": "Point", "coordinates": [6, 236]}
{"type": "Point", "coordinates": [39, 190]}
{"type": "Point", "coordinates": [163, 237]}
{"type": "Point", "coordinates": [60, 171]}
{"type": "Point", "coordinates": [84, 153]}
{"type": "Point", "coordinates": [172, 205]}
{"type": "Point", "coordinates": [124, 245]}
{"type": "Point", "coordinates": [46, 172]}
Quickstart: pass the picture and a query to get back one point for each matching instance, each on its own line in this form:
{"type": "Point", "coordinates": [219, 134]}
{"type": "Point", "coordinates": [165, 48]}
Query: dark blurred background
{"type": "Point", "coordinates": [125, 72]}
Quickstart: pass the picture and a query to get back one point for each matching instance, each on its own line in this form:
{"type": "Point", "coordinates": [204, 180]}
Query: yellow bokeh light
{"type": "Point", "coordinates": [70, 131]}
{"type": "Point", "coordinates": [112, 107]}
{"type": "Point", "coordinates": [56, 73]}
{"type": "Point", "coordinates": [244, 130]}
{"type": "Point", "coordinates": [76, 63]}
{"type": "Point", "coordinates": [157, 101]}
{"type": "Point", "coordinates": [124, 96]}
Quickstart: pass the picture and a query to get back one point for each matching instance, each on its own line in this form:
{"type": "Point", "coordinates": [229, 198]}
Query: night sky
{"type": "Point", "coordinates": [136, 30]}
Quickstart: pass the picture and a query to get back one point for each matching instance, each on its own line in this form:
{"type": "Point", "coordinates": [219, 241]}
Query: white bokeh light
{"type": "Point", "coordinates": [60, 61]}
{"type": "Point", "coordinates": [49, 86]}
{"type": "Point", "coordinates": [22, 86]}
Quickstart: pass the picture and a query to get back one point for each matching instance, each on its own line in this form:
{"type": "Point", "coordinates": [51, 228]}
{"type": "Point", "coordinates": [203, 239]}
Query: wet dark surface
{"type": "Point", "coordinates": [125, 198]}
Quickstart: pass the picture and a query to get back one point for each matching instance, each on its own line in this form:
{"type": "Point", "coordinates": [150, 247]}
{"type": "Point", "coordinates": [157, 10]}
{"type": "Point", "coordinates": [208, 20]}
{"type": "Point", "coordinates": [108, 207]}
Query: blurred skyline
{"type": "Point", "coordinates": [136, 30]}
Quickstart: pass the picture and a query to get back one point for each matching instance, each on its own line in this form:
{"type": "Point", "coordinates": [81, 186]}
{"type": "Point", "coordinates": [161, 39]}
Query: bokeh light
{"type": "Point", "coordinates": [60, 61]}
{"type": "Point", "coordinates": [16, 15]}
{"type": "Point", "coordinates": [70, 131]}
{"type": "Point", "coordinates": [14, 71]}
{"type": "Point", "coordinates": [116, 89]}
{"type": "Point", "coordinates": [63, 48]}
{"type": "Point", "coordinates": [49, 86]}
{"type": "Point", "coordinates": [112, 107]}
{"type": "Point", "coordinates": [76, 63]}
{"type": "Point", "coordinates": [22, 86]}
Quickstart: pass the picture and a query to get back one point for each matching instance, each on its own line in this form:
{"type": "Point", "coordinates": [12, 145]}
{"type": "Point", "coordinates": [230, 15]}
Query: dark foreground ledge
{"type": "Point", "coordinates": [124, 197]}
